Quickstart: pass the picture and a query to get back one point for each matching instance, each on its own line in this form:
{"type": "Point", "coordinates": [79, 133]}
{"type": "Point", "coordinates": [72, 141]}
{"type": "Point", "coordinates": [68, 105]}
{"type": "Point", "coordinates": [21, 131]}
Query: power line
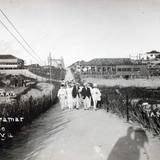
{"type": "Point", "coordinates": [17, 40]}
{"type": "Point", "coordinates": [11, 23]}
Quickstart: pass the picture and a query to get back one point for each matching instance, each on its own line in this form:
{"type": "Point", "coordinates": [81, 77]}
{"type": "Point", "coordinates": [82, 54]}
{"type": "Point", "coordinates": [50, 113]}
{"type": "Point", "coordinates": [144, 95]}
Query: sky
{"type": "Point", "coordinates": [81, 29]}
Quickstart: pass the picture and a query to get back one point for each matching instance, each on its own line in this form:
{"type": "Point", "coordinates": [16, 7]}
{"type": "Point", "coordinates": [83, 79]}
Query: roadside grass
{"type": "Point", "coordinates": [150, 83]}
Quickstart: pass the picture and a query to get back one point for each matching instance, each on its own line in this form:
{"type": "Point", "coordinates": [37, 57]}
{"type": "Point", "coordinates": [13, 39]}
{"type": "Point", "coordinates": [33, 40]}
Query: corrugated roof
{"type": "Point", "coordinates": [153, 52]}
{"type": "Point", "coordinates": [109, 61]}
{"type": "Point", "coordinates": [7, 56]}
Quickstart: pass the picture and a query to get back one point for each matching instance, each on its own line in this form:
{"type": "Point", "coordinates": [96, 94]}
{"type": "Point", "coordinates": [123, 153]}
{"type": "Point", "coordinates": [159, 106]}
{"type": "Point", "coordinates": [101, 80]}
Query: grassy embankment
{"type": "Point", "coordinates": [31, 100]}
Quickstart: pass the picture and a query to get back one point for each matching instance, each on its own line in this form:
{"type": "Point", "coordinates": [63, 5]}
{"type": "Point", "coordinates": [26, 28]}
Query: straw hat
{"type": "Point", "coordinates": [145, 104]}
{"type": "Point", "coordinates": [94, 85]}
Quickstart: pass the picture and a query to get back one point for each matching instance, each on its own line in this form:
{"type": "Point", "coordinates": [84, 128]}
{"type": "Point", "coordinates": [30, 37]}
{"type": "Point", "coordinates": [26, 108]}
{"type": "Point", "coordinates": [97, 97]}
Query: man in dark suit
{"type": "Point", "coordinates": [76, 95]}
{"type": "Point", "coordinates": [86, 95]}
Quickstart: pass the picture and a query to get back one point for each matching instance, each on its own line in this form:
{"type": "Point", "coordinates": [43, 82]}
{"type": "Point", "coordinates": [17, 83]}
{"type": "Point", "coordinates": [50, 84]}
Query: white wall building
{"type": "Point", "coordinates": [8, 61]}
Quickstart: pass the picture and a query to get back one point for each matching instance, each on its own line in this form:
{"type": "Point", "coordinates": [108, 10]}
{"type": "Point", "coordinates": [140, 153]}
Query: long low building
{"type": "Point", "coordinates": [8, 61]}
{"type": "Point", "coordinates": [112, 68]}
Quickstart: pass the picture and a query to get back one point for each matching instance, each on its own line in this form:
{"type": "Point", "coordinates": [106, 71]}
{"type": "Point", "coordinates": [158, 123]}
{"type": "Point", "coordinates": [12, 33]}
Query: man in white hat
{"type": "Point", "coordinates": [96, 95]}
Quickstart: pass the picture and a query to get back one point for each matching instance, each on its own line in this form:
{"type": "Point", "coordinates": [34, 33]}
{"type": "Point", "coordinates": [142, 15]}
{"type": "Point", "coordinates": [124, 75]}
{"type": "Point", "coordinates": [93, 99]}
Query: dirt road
{"type": "Point", "coordinates": [92, 135]}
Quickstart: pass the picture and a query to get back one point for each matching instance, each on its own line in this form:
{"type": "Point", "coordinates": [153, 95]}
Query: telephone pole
{"type": "Point", "coordinates": [50, 67]}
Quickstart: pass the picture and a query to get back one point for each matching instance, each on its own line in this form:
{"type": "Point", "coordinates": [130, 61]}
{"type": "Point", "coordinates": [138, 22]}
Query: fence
{"type": "Point", "coordinates": [136, 104]}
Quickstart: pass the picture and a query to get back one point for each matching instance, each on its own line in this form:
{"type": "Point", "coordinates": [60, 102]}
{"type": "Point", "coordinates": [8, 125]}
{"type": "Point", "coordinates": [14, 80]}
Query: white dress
{"type": "Point", "coordinates": [69, 97]}
{"type": "Point", "coordinates": [96, 95]}
{"type": "Point", "coordinates": [62, 95]}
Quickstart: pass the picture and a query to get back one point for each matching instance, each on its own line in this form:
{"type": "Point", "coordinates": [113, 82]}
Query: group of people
{"type": "Point", "coordinates": [72, 95]}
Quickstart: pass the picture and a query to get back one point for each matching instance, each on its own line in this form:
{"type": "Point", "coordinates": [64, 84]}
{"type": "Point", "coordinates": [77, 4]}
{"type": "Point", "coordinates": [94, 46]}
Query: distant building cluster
{"type": "Point", "coordinates": [152, 61]}
{"type": "Point", "coordinates": [120, 67]}
{"type": "Point", "coordinates": [8, 61]}
{"type": "Point", "coordinates": [145, 65]}
{"type": "Point", "coordinates": [112, 68]}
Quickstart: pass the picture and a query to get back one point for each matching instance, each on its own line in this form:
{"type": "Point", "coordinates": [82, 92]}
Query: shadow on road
{"type": "Point", "coordinates": [129, 146]}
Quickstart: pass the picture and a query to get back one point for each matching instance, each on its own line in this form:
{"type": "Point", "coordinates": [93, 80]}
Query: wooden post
{"type": "Point", "coordinates": [50, 64]}
{"type": "Point", "coordinates": [127, 107]}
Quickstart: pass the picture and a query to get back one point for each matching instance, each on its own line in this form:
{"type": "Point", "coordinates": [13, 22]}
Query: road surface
{"type": "Point", "coordinates": [70, 135]}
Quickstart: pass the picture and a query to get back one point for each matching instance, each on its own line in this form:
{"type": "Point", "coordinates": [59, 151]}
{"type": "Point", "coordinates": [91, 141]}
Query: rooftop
{"type": "Point", "coordinates": [7, 56]}
{"type": "Point", "coordinates": [153, 52]}
{"type": "Point", "coordinates": [108, 61]}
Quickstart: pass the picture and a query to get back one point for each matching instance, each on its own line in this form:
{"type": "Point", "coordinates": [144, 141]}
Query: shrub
{"type": "Point", "coordinates": [118, 100]}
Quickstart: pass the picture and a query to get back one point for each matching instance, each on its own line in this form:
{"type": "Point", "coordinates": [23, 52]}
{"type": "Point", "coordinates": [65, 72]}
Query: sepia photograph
{"type": "Point", "coordinates": [79, 79]}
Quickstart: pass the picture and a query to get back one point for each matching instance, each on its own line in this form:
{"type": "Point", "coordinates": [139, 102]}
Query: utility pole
{"type": "Point", "coordinates": [127, 107]}
{"type": "Point", "coordinates": [50, 66]}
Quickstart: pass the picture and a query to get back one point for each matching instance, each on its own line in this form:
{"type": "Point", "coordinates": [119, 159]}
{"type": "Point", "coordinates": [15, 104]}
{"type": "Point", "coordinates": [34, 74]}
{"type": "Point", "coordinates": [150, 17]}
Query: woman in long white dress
{"type": "Point", "coordinates": [96, 95]}
{"type": "Point", "coordinates": [69, 96]}
{"type": "Point", "coordinates": [62, 95]}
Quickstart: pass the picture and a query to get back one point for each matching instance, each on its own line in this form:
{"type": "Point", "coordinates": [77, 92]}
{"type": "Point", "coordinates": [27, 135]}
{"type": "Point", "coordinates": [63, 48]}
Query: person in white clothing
{"type": "Point", "coordinates": [96, 95]}
{"type": "Point", "coordinates": [62, 95]}
{"type": "Point", "coordinates": [69, 96]}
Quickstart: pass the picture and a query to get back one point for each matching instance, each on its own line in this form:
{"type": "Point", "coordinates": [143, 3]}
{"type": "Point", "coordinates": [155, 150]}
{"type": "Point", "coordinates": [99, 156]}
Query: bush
{"type": "Point", "coordinates": [29, 109]}
{"type": "Point", "coordinates": [118, 100]}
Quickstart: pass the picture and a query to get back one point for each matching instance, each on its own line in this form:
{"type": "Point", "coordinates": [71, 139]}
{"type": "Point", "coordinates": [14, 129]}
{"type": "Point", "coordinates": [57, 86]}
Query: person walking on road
{"type": "Point", "coordinates": [69, 90]}
{"type": "Point", "coordinates": [96, 95]}
{"type": "Point", "coordinates": [86, 95]}
{"type": "Point", "coordinates": [62, 95]}
{"type": "Point", "coordinates": [76, 96]}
